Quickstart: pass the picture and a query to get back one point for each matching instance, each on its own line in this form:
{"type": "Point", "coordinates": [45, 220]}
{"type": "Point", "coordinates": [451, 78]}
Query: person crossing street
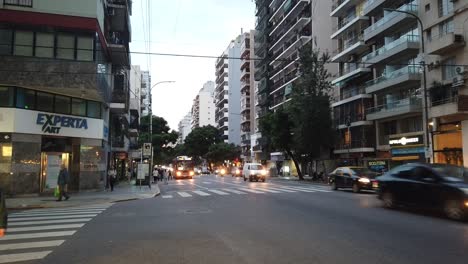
{"type": "Point", "coordinates": [62, 182]}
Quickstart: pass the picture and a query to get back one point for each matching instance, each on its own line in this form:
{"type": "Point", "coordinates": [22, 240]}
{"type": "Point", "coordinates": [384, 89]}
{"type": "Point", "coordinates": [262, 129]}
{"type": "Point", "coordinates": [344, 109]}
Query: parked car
{"type": "Point", "coordinates": [3, 214]}
{"type": "Point", "coordinates": [236, 172]}
{"type": "Point", "coordinates": [357, 178]}
{"type": "Point", "coordinates": [428, 186]}
{"type": "Point", "coordinates": [254, 172]}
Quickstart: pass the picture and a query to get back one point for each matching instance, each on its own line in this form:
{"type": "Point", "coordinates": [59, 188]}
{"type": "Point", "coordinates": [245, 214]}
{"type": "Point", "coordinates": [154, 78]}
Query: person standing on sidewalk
{"type": "Point", "coordinates": [112, 174]}
{"type": "Point", "coordinates": [165, 176]}
{"type": "Point", "coordinates": [62, 183]}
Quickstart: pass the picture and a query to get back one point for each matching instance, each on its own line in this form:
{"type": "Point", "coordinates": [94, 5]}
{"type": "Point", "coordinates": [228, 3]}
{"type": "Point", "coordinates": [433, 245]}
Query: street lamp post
{"type": "Point", "coordinates": [151, 124]}
{"type": "Point", "coordinates": [425, 93]}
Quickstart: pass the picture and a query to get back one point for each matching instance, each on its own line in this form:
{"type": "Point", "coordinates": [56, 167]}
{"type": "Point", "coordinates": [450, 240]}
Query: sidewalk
{"type": "Point", "coordinates": [122, 192]}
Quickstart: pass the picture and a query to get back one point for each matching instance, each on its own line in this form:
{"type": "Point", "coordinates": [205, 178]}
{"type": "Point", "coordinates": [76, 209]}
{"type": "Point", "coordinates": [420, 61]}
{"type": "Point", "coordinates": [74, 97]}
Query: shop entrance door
{"type": "Point", "coordinates": [51, 162]}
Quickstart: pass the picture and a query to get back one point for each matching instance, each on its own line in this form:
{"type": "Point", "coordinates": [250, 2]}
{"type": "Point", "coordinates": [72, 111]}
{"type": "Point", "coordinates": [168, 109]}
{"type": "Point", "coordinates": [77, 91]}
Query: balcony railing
{"type": "Point", "coordinates": [287, 78]}
{"type": "Point", "coordinates": [351, 92]}
{"type": "Point", "coordinates": [412, 69]}
{"type": "Point", "coordinates": [396, 105]}
{"type": "Point", "coordinates": [411, 7]}
{"type": "Point", "coordinates": [342, 120]}
{"type": "Point", "coordinates": [348, 43]}
{"type": "Point", "coordinates": [354, 144]}
{"type": "Point", "coordinates": [286, 62]}
{"type": "Point", "coordinates": [336, 3]}
{"type": "Point", "coordinates": [350, 67]}
{"type": "Point", "coordinates": [392, 45]}
{"type": "Point", "coordinates": [25, 3]}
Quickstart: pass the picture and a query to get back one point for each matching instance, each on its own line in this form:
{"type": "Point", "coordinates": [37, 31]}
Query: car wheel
{"type": "Point", "coordinates": [334, 186]}
{"type": "Point", "coordinates": [356, 188]}
{"type": "Point", "coordinates": [388, 200]}
{"type": "Point", "coordinates": [454, 210]}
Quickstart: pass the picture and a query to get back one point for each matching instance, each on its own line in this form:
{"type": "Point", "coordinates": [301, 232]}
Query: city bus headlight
{"type": "Point", "coordinates": [179, 173]}
{"type": "Point", "coordinates": [223, 171]}
{"type": "Point", "coordinates": [191, 173]}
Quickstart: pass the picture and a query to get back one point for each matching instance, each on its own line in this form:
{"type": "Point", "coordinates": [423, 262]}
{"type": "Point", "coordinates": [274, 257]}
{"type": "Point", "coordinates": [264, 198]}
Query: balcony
{"type": "Point", "coordinates": [245, 104]}
{"type": "Point", "coordinates": [372, 5]}
{"type": "Point", "coordinates": [245, 86]}
{"type": "Point", "coordinates": [118, 48]}
{"type": "Point", "coordinates": [348, 23]}
{"type": "Point", "coordinates": [291, 46]}
{"type": "Point", "coordinates": [245, 120]}
{"type": "Point", "coordinates": [445, 43]}
{"type": "Point", "coordinates": [406, 76]}
{"type": "Point", "coordinates": [281, 83]}
{"type": "Point", "coordinates": [351, 70]}
{"type": "Point", "coordinates": [350, 95]}
{"type": "Point", "coordinates": [287, 64]}
{"type": "Point", "coordinates": [119, 12]}
{"type": "Point", "coordinates": [392, 20]}
{"type": "Point", "coordinates": [245, 73]}
{"type": "Point", "coordinates": [277, 102]}
{"type": "Point", "coordinates": [339, 7]}
{"type": "Point", "coordinates": [401, 107]}
{"type": "Point", "coordinates": [351, 46]}
{"type": "Point", "coordinates": [120, 95]}
{"type": "Point", "coordinates": [404, 46]}
{"type": "Point", "coordinates": [356, 146]}
{"type": "Point", "coordinates": [290, 28]}
{"type": "Point", "coordinates": [289, 8]}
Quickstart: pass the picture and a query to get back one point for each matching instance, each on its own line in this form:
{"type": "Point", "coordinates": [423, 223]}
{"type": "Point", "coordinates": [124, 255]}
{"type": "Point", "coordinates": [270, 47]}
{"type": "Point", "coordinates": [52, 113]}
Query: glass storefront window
{"type": "Point", "coordinates": [65, 46]}
{"type": "Point", "coordinates": [6, 39]}
{"type": "Point", "coordinates": [45, 102]}
{"type": "Point", "coordinates": [85, 47]}
{"type": "Point", "coordinates": [78, 107]}
{"type": "Point", "coordinates": [94, 109]}
{"type": "Point", "coordinates": [6, 96]}
{"type": "Point", "coordinates": [44, 45]}
{"type": "Point", "coordinates": [24, 43]}
{"type": "Point", "coordinates": [62, 104]}
{"type": "Point", "coordinates": [25, 99]}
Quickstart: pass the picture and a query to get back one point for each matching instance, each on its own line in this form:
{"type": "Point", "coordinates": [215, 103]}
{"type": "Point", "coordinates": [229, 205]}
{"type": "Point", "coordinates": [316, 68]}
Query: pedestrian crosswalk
{"type": "Point", "coordinates": [245, 189]}
{"type": "Point", "coordinates": [33, 234]}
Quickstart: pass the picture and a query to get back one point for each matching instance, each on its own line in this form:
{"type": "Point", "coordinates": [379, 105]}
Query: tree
{"type": "Point", "coordinates": [220, 152]}
{"type": "Point", "coordinates": [309, 108]}
{"type": "Point", "coordinates": [161, 139]}
{"type": "Point", "coordinates": [199, 141]}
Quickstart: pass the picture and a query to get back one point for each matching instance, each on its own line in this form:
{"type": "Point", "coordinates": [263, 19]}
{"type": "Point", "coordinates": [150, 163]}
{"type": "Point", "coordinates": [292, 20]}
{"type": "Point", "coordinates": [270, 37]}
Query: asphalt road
{"type": "Point", "coordinates": [226, 220]}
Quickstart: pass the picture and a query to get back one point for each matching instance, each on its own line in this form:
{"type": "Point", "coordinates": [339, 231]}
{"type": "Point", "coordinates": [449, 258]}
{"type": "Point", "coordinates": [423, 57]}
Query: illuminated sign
{"type": "Point", "coordinates": [53, 123]}
{"type": "Point", "coordinates": [404, 141]}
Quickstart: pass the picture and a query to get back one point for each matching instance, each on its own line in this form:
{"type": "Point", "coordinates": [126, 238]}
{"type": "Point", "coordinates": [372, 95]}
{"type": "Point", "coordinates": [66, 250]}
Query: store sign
{"type": "Point", "coordinates": [405, 141]}
{"type": "Point", "coordinates": [407, 151]}
{"type": "Point", "coordinates": [52, 123]}
{"type": "Point", "coordinates": [377, 165]}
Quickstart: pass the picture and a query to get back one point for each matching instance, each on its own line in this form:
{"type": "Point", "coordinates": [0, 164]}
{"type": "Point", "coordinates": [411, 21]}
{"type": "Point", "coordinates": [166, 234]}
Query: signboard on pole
{"type": "Point", "coordinates": [143, 169]}
{"type": "Point", "coordinates": [146, 150]}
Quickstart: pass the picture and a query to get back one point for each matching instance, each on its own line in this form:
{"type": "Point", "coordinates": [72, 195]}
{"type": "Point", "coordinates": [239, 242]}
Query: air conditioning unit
{"type": "Point", "coordinates": [460, 70]}
{"type": "Point", "coordinates": [458, 81]}
{"type": "Point", "coordinates": [458, 38]}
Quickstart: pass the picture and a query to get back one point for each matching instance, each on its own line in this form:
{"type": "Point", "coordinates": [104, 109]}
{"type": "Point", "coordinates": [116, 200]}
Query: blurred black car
{"type": "Point", "coordinates": [3, 214]}
{"type": "Point", "coordinates": [428, 186]}
{"type": "Point", "coordinates": [357, 178]}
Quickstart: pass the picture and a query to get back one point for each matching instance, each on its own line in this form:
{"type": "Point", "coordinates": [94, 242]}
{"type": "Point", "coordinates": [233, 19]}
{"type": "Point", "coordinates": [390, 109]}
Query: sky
{"type": "Point", "coordinates": [200, 27]}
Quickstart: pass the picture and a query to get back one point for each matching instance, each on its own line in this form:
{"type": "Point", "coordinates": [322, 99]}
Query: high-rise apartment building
{"type": "Point", "coordinates": [145, 93]}
{"type": "Point", "coordinates": [380, 104]}
{"type": "Point", "coordinates": [185, 127]}
{"type": "Point", "coordinates": [203, 108]}
{"type": "Point", "coordinates": [227, 93]}
{"type": "Point", "coordinates": [283, 27]}
{"type": "Point", "coordinates": [248, 98]}
{"type": "Point", "coordinates": [64, 97]}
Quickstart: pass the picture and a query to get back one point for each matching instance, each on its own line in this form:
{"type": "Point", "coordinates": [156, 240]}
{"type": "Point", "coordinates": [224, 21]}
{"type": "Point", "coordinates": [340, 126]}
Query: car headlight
{"type": "Point", "coordinates": [237, 171]}
{"type": "Point", "coordinates": [191, 173]}
{"type": "Point", "coordinates": [364, 180]}
{"type": "Point", "coordinates": [223, 171]}
{"type": "Point", "coordinates": [179, 173]}
{"type": "Point", "coordinates": [264, 172]}
{"type": "Point", "coordinates": [465, 190]}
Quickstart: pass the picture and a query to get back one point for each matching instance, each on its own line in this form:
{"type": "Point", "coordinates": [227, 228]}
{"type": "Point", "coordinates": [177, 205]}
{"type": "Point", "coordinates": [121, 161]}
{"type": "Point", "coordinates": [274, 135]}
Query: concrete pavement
{"type": "Point", "coordinates": [226, 220]}
{"type": "Point", "coordinates": [124, 191]}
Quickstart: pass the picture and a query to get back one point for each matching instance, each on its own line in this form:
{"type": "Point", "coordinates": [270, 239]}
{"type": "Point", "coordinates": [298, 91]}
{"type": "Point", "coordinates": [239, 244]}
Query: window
{"type": "Point", "coordinates": [429, 34]}
{"type": "Point", "coordinates": [44, 45]}
{"type": "Point", "coordinates": [26, 3]}
{"type": "Point", "coordinates": [94, 109]}
{"type": "Point", "coordinates": [428, 7]}
{"type": "Point", "coordinates": [62, 104]}
{"type": "Point", "coordinates": [446, 27]}
{"type": "Point", "coordinates": [6, 39]}
{"type": "Point", "coordinates": [78, 107]}
{"type": "Point", "coordinates": [6, 96]}
{"type": "Point", "coordinates": [24, 41]}
{"type": "Point", "coordinates": [65, 46]}
{"type": "Point", "coordinates": [448, 69]}
{"type": "Point", "coordinates": [45, 102]}
{"type": "Point", "coordinates": [445, 7]}
{"type": "Point", "coordinates": [25, 98]}
{"type": "Point", "coordinates": [85, 46]}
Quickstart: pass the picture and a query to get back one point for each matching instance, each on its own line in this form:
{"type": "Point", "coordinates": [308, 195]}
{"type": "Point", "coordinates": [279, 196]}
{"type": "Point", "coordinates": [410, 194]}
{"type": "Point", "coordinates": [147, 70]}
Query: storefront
{"type": "Point", "coordinates": [408, 148]}
{"type": "Point", "coordinates": [35, 144]}
{"type": "Point", "coordinates": [448, 144]}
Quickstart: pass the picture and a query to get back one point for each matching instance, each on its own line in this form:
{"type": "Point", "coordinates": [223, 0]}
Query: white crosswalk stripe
{"type": "Point", "coordinates": [267, 190]}
{"type": "Point", "coordinates": [250, 190]}
{"type": "Point", "coordinates": [282, 189]}
{"type": "Point", "coordinates": [298, 189]}
{"type": "Point", "coordinates": [218, 192]}
{"type": "Point", "coordinates": [202, 193]}
{"type": "Point", "coordinates": [184, 194]}
{"type": "Point", "coordinates": [166, 196]}
{"type": "Point", "coordinates": [234, 191]}
{"type": "Point", "coordinates": [33, 234]}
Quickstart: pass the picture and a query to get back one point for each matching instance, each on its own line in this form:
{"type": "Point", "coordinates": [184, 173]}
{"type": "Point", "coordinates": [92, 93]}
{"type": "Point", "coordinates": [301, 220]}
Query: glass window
{"type": "Point", "coordinates": [445, 7]}
{"type": "Point", "coordinates": [78, 107]}
{"type": "Point", "coordinates": [45, 102]}
{"type": "Point", "coordinates": [6, 96]}
{"type": "Point", "coordinates": [85, 47]}
{"type": "Point", "coordinates": [62, 104]}
{"type": "Point", "coordinates": [446, 27]}
{"type": "Point", "coordinates": [44, 45]}
{"type": "Point", "coordinates": [448, 69]}
{"type": "Point", "coordinates": [6, 39]}
{"type": "Point", "coordinates": [65, 46]}
{"type": "Point", "coordinates": [24, 42]}
{"type": "Point", "coordinates": [94, 109]}
{"type": "Point", "coordinates": [25, 98]}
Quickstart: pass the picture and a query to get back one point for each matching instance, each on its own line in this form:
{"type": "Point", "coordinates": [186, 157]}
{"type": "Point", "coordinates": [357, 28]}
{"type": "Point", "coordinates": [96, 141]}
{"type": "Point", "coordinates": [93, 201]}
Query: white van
{"type": "Point", "coordinates": [254, 171]}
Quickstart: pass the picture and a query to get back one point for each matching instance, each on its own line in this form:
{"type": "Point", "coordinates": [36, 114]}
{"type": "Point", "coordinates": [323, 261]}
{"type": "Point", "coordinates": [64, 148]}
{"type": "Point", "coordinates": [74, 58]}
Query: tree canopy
{"type": "Point", "coordinates": [220, 152]}
{"type": "Point", "coordinates": [161, 139]}
{"type": "Point", "coordinates": [199, 141]}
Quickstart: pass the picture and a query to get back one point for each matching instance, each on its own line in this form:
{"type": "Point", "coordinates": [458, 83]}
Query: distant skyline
{"type": "Point", "coordinates": [199, 27]}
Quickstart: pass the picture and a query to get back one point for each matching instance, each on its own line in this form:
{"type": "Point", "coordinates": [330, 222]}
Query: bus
{"type": "Point", "coordinates": [183, 167]}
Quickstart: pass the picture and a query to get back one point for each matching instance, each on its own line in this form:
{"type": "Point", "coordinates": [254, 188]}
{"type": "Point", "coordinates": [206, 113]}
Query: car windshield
{"type": "Point", "coordinates": [452, 173]}
{"type": "Point", "coordinates": [364, 172]}
{"type": "Point", "coordinates": [256, 167]}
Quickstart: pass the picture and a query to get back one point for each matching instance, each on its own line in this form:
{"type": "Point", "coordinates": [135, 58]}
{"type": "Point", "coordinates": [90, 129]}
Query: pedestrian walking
{"type": "Point", "coordinates": [112, 175]}
{"type": "Point", "coordinates": [62, 182]}
{"type": "Point", "coordinates": [155, 175]}
{"type": "Point", "coordinates": [165, 176]}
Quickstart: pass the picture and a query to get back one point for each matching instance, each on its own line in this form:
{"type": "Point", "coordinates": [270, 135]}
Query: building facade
{"type": "Point", "coordinates": [145, 93]}
{"type": "Point", "coordinates": [64, 89]}
{"type": "Point", "coordinates": [203, 108]}
{"type": "Point", "coordinates": [185, 127]}
{"type": "Point", "coordinates": [227, 93]}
